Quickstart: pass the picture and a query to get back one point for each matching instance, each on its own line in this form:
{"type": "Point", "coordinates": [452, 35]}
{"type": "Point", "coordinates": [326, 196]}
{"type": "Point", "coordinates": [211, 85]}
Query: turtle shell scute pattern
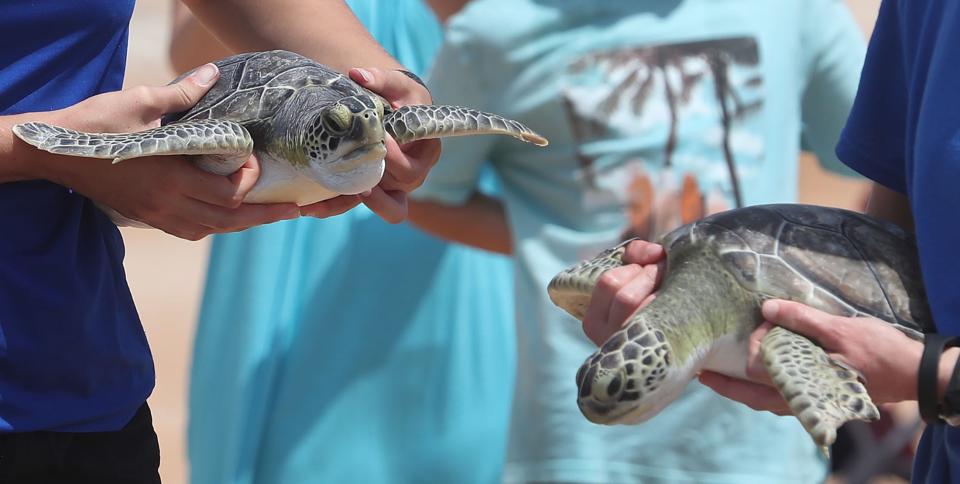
{"type": "Point", "coordinates": [253, 86]}
{"type": "Point", "coordinates": [836, 260]}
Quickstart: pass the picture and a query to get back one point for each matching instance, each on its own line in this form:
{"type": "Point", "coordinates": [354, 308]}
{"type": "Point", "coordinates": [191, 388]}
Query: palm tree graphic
{"type": "Point", "coordinates": [635, 71]}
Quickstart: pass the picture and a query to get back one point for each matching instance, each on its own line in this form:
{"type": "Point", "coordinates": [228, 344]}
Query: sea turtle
{"type": "Point", "coordinates": [317, 133]}
{"type": "Point", "coordinates": [719, 271]}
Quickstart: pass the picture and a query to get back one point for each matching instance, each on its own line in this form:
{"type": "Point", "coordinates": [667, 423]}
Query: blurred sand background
{"type": "Point", "coordinates": [166, 274]}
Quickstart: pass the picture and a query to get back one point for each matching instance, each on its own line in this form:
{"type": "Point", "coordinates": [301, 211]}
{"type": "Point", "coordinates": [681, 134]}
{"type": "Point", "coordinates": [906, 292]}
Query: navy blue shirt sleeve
{"type": "Point", "coordinates": [874, 140]}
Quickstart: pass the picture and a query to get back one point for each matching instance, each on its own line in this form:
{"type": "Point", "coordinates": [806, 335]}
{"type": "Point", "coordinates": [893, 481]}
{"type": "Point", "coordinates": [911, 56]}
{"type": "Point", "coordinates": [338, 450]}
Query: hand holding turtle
{"type": "Point", "coordinates": [622, 290]}
{"type": "Point", "coordinates": [166, 192]}
{"type": "Point", "coordinates": [316, 133]}
{"type": "Point", "coordinates": [407, 165]}
{"type": "Point", "coordinates": [885, 357]}
{"type": "Point", "coordinates": [721, 270]}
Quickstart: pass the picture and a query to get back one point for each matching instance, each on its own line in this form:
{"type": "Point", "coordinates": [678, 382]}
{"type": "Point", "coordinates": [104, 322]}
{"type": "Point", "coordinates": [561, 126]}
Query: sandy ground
{"type": "Point", "coordinates": [166, 274]}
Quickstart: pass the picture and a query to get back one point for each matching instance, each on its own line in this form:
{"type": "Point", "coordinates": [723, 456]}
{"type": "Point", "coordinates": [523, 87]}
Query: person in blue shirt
{"type": "Point", "coordinates": [902, 133]}
{"type": "Point", "coordinates": [350, 350]}
{"type": "Point", "coordinates": [75, 368]}
{"type": "Point", "coordinates": [657, 113]}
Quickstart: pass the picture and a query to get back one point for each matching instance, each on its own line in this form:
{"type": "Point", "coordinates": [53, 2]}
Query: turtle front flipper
{"type": "Point", "coordinates": [572, 288]}
{"type": "Point", "coordinates": [422, 121]}
{"type": "Point", "coordinates": [822, 393]}
{"type": "Point", "coordinates": [224, 146]}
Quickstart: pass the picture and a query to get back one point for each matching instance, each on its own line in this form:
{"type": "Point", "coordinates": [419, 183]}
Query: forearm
{"type": "Point", "coordinates": [480, 223]}
{"type": "Point", "coordinates": [889, 205]}
{"type": "Point", "coordinates": [892, 206]}
{"type": "Point", "coordinates": [325, 30]}
{"type": "Point", "coordinates": [191, 44]}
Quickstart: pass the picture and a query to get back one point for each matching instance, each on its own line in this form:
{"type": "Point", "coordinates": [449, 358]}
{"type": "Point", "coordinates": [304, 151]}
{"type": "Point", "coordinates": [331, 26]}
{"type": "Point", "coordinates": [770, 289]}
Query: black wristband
{"type": "Point", "coordinates": [950, 409]}
{"type": "Point", "coordinates": [933, 346]}
{"type": "Point", "coordinates": [414, 77]}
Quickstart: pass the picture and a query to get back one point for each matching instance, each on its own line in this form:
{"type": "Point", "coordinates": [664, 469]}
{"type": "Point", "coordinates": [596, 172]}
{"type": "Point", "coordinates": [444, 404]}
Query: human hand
{"type": "Point", "coordinates": [886, 358]}
{"type": "Point", "coordinates": [165, 192]}
{"type": "Point", "coordinates": [330, 207]}
{"type": "Point", "coordinates": [407, 165]}
{"type": "Point", "coordinates": [621, 291]}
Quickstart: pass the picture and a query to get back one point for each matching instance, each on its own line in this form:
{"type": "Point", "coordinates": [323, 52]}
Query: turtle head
{"type": "Point", "coordinates": [345, 144]}
{"type": "Point", "coordinates": [630, 378]}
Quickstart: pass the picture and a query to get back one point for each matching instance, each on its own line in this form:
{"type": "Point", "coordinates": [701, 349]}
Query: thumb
{"type": "Point", "coordinates": [185, 93]}
{"type": "Point", "coordinates": [394, 86]}
{"type": "Point", "coordinates": [643, 253]}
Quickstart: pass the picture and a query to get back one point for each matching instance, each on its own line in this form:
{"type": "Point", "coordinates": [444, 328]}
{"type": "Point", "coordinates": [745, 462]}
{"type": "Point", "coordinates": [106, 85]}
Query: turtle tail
{"type": "Point", "coordinates": [422, 121]}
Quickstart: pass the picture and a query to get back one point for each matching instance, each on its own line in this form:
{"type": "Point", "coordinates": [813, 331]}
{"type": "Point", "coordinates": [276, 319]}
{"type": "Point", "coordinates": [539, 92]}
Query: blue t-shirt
{"type": "Point", "coordinates": [349, 349]}
{"type": "Point", "coordinates": [633, 97]}
{"type": "Point", "coordinates": [904, 133]}
{"type": "Point", "coordinates": [73, 356]}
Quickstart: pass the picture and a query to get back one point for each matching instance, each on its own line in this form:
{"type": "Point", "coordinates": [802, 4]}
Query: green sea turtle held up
{"type": "Point", "coordinates": [719, 272]}
{"type": "Point", "coordinates": [316, 133]}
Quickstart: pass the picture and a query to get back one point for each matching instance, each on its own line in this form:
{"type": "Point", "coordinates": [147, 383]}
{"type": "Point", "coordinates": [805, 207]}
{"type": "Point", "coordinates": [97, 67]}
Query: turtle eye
{"type": "Point", "coordinates": [337, 120]}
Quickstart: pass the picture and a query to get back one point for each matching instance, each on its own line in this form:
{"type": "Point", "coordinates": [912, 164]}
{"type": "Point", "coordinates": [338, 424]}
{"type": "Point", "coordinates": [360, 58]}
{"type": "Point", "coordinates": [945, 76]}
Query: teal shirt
{"type": "Point", "coordinates": [657, 113]}
{"type": "Point", "coordinates": [351, 350]}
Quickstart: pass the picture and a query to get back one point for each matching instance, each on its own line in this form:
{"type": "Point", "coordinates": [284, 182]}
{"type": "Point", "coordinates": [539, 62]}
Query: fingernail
{"type": "Point", "coordinates": [365, 75]}
{"type": "Point", "coordinates": [652, 250]}
{"type": "Point", "coordinates": [770, 310]}
{"type": "Point", "coordinates": [205, 75]}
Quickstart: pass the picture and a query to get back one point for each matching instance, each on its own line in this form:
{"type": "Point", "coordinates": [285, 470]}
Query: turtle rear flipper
{"type": "Point", "coordinates": [422, 121]}
{"type": "Point", "coordinates": [224, 145]}
{"type": "Point", "coordinates": [822, 393]}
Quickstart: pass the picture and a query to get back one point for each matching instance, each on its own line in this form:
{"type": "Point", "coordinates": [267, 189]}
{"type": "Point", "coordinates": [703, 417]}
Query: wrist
{"type": "Point", "coordinates": [934, 375]}
{"type": "Point", "coordinates": [950, 391]}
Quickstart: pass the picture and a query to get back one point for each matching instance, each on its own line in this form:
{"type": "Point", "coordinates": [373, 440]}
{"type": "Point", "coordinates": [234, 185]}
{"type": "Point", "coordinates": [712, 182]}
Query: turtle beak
{"type": "Point", "coordinates": [368, 128]}
{"type": "Point", "coordinates": [366, 115]}
{"type": "Point", "coordinates": [372, 152]}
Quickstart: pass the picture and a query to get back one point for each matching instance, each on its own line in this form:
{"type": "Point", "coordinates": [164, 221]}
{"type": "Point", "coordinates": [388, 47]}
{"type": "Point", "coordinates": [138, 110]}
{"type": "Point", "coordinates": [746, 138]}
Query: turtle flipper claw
{"type": "Point", "coordinates": [822, 393]}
